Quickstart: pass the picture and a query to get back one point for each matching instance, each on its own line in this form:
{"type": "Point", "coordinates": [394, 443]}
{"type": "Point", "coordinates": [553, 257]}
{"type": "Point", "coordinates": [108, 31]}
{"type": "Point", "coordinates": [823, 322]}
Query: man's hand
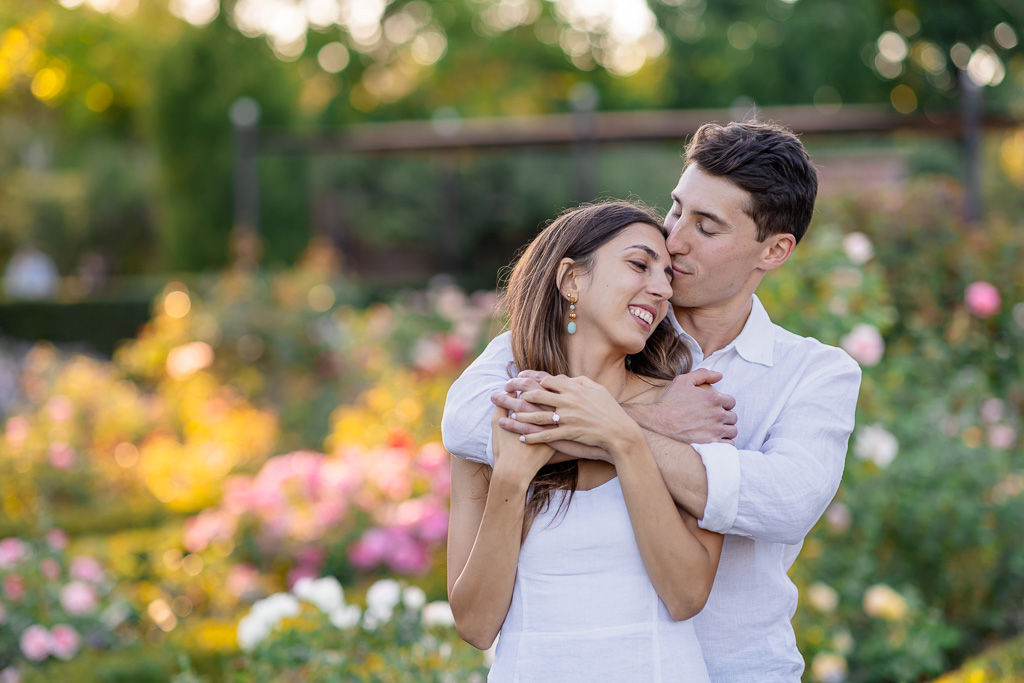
{"type": "Point", "coordinates": [522, 414]}
{"type": "Point", "coordinates": [690, 410]}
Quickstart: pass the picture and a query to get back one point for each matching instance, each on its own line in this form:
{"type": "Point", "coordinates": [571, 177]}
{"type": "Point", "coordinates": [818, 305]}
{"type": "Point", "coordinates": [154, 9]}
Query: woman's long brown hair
{"type": "Point", "coordinates": [538, 316]}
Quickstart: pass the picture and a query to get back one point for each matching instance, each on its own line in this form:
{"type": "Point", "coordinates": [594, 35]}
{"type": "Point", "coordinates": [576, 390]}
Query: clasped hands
{"type": "Point", "coordinates": [690, 410]}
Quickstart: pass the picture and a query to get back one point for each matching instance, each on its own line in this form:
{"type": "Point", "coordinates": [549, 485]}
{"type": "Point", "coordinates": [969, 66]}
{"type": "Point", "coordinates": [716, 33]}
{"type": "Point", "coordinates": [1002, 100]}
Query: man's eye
{"type": "Point", "coordinates": [700, 227]}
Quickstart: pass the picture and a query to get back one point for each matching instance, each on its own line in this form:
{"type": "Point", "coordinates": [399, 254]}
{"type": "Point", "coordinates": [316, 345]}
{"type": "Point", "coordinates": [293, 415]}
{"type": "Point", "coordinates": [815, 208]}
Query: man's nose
{"type": "Point", "coordinates": [677, 241]}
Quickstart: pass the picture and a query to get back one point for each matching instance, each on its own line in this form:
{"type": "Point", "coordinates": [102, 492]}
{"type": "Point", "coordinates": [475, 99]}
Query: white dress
{"type": "Point", "coordinates": [583, 607]}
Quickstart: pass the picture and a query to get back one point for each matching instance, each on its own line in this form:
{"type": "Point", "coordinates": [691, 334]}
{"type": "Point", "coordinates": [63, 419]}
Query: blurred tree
{"type": "Point", "coordinates": [88, 86]}
{"type": "Point", "coordinates": [196, 81]}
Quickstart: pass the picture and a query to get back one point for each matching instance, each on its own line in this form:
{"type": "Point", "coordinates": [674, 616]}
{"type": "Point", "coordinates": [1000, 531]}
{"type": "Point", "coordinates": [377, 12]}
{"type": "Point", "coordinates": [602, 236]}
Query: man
{"type": "Point", "coordinates": [743, 202]}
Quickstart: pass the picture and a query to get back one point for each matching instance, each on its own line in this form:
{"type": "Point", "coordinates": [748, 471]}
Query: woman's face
{"type": "Point", "coordinates": [625, 295]}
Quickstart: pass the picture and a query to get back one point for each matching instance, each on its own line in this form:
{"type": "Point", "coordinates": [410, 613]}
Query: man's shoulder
{"type": "Point", "coordinates": [812, 351]}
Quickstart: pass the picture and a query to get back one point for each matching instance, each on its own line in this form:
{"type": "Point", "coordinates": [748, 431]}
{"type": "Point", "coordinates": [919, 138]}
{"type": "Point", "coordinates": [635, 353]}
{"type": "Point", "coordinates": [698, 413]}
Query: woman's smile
{"type": "Point", "coordinates": [644, 314]}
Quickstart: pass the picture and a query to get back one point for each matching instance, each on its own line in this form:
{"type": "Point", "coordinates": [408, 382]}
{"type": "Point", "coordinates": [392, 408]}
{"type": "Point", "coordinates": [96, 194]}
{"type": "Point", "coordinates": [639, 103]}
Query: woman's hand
{"type": "Point", "coordinates": [513, 458]}
{"type": "Point", "coordinates": [584, 411]}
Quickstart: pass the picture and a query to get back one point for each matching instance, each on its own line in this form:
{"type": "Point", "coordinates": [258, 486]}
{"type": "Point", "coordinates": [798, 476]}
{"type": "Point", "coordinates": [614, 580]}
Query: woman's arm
{"type": "Point", "coordinates": [681, 559]}
{"type": "Point", "coordinates": [485, 533]}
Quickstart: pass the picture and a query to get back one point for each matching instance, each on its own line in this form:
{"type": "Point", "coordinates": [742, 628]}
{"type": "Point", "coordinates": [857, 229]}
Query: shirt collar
{"type": "Point", "coordinates": [755, 343]}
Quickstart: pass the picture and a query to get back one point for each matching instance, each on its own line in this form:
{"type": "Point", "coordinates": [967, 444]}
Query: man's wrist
{"type": "Point", "coordinates": [639, 412]}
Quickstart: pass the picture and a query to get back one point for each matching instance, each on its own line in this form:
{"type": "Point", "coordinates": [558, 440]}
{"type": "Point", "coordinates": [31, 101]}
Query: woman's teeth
{"type": "Point", "coordinates": [642, 314]}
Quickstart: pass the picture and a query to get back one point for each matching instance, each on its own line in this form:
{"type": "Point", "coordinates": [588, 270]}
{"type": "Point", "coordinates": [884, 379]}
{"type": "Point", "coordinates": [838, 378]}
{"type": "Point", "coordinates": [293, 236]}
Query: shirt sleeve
{"type": "Point", "coordinates": [777, 494]}
{"type": "Point", "coordinates": [466, 422]}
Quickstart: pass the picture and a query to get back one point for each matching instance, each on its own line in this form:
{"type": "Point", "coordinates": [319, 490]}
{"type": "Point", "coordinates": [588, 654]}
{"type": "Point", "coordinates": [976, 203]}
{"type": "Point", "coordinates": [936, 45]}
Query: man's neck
{"type": "Point", "coordinates": [715, 327]}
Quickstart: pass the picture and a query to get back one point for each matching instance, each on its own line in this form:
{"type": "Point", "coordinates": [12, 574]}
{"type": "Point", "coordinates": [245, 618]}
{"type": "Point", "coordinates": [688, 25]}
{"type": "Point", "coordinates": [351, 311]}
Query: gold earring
{"type": "Point", "coordinates": [571, 327]}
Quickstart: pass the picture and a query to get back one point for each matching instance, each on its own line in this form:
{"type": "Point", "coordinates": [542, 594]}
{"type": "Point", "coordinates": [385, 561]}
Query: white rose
{"type": "Point", "coordinates": [858, 248]}
{"type": "Point", "coordinates": [326, 593]}
{"type": "Point", "coordinates": [346, 616]}
{"type": "Point", "coordinates": [274, 608]}
{"type": "Point", "coordinates": [382, 598]}
{"type": "Point", "coordinates": [251, 632]}
{"type": "Point", "coordinates": [413, 597]}
{"type": "Point", "coordinates": [876, 444]}
{"type": "Point", "coordinates": [438, 614]}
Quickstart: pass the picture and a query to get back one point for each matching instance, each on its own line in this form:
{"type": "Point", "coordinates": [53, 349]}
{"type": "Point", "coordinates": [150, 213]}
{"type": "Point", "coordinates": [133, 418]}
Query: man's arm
{"type": "Point", "coordinates": [779, 492]}
{"type": "Point", "coordinates": [690, 410]}
{"type": "Point", "coordinates": [466, 421]}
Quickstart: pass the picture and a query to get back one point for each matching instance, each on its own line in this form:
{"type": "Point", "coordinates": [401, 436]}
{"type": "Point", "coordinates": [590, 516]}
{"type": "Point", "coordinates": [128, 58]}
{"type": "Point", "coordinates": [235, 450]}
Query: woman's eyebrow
{"type": "Point", "coordinates": [646, 249]}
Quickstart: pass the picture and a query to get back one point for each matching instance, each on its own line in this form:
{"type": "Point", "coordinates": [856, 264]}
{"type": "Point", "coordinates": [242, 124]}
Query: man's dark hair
{"type": "Point", "coordinates": [768, 161]}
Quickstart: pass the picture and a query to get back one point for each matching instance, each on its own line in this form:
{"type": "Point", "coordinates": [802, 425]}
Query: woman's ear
{"type": "Point", "coordinates": [565, 277]}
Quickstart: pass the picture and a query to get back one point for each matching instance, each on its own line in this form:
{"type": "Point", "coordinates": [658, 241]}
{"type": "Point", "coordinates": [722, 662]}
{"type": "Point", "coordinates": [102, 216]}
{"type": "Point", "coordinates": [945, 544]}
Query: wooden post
{"type": "Point", "coordinates": [970, 112]}
{"type": "Point", "coordinates": [584, 148]}
{"type": "Point", "coordinates": [245, 118]}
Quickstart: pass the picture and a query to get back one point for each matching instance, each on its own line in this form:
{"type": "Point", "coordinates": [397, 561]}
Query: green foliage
{"type": "Point", "coordinates": [930, 526]}
{"type": "Point", "coordinates": [194, 140]}
{"type": "Point", "coordinates": [396, 639]}
{"type": "Point", "coordinates": [1003, 663]}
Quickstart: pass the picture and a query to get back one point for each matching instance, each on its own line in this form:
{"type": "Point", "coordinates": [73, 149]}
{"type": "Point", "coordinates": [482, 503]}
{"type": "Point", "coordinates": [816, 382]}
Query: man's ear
{"type": "Point", "coordinates": [565, 277]}
{"type": "Point", "coordinates": [778, 249]}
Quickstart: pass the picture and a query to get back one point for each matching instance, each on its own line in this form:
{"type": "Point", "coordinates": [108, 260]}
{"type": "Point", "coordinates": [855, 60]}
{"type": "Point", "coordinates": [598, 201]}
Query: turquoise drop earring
{"type": "Point", "coordinates": [571, 327]}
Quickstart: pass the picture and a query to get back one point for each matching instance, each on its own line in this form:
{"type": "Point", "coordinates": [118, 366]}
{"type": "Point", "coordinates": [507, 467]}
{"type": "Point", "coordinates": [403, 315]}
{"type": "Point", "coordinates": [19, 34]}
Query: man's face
{"type": "Point", "coordinates": [713, 242]}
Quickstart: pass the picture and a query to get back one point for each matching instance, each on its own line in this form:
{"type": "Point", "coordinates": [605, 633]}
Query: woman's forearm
{"type": "Point", "coordinates": [681, 567]}
{"type": "Point", "coordinates": [481, 594]}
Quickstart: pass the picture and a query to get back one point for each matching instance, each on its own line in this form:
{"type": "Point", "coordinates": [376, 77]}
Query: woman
{"type": "Point", "coordinates": [587, 568]}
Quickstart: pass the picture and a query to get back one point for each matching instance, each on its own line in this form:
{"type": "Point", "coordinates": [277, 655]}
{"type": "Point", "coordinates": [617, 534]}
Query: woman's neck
{"type": "Point", "coordinates": [602, 365]}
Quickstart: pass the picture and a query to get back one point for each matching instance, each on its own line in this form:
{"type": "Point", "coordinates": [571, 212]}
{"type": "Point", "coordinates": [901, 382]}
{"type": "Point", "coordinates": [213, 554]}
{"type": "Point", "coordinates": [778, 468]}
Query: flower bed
{"type": "Point", "coordinates": [260, 433]}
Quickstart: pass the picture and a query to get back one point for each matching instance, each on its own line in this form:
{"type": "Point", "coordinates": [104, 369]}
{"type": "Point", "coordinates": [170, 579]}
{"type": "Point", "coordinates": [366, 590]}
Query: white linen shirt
{"type": "Point", "coordinates": [795, 402]}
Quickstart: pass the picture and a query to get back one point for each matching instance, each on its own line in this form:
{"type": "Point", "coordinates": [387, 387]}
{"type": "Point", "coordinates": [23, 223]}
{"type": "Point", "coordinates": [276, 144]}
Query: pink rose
{"type": "Point", "coordinates": [85, 568]}
{"type": "Point", "coordinates": [432, 526]}
{"type": "Point", "coordinates": [62, 456]}
{"type": "Point", "coordinates": [1002, 437]}
{"type": "Point", "coordinates": [12, 551]}
{"type": "Point", "coordinates": [57, 539]}
{"type": "Point", "coordinates": [35, 643]}
{"type": "Point", "coordinates": [14, 587]}
{"type": "Point", "coordinates": [60, 409]}
{"type": "Point", "coordinates": [50, 568]}
{"type": "Point", "coordinates": [838, 517]}
{"type": "Point", "coordinates": [243, 579]}
{"type": "Point", "coordinates": [301, 572]}
{"type": "Point", "coordinates": [982, 299]}
{"type": "Point", "coordinates": [371, 549]}
{"type": "Point", "coordinates": [78, 598]}
{"type": "Point", "coordinates": [208, 525]}
{"type": "Point", "coordinates": [65, 641]}
{"type": "Point", "coordinates": [408, 556]}
{"type": "Point", "coordinates": [864, 344]}
{"type": "Point", "coordinates": [16, 431]}
{"type": "Point", "coordinates": [10, 675]}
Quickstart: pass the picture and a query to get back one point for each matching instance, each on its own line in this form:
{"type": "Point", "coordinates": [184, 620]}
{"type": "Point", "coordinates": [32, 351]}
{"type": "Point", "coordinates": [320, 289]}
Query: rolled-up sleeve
{"type": "Point", "coordinates": [466, 421]}
{"type": "Point", "coordinates": [778, 493]}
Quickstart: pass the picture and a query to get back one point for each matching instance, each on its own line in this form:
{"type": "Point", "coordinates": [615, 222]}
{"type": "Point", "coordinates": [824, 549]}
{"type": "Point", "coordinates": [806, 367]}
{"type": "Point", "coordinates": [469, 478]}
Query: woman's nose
{"type": "Point", "coordinates": [661, 288]}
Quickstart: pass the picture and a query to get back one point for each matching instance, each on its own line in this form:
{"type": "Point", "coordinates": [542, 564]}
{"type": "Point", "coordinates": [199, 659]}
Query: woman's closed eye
{"type": "Point", "coordinates": [640, 265]}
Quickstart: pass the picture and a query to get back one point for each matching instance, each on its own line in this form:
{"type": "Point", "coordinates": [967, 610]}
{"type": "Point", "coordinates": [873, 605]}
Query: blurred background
{"type": "Point", "coordinates": [248, 244]}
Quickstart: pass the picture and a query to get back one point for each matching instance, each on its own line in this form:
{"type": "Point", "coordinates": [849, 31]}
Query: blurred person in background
{"type": "Point", "coordinates": [744, 200]}
{"type": "Point", "coordinates": [588, 568]}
